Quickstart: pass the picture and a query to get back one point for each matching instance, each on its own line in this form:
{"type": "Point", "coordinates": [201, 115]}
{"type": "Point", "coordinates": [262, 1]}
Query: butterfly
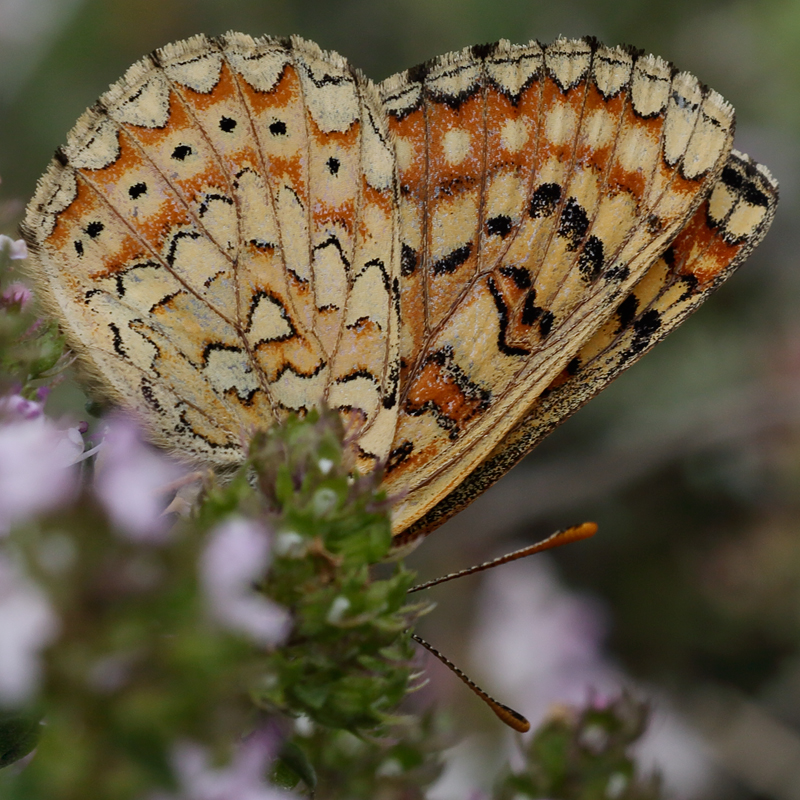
{"type": "Point", "coordinates": [456, 259]}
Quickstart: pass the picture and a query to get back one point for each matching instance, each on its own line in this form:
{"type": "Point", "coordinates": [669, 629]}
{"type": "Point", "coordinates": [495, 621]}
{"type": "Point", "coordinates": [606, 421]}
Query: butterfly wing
{"type": "Point", "coordinates": [720, 236]}
{"type": "Point", "coordinates": [219, 239]}
{"type": "Point", "coordinates": [538, 185]}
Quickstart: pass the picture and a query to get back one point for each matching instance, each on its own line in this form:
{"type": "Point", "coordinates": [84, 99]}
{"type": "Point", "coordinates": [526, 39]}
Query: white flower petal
{"type": "Point", "coordinates": [17, 249]}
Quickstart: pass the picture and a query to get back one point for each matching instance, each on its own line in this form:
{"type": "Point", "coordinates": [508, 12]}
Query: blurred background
{"type": "Point", "coordinates": [690, 462]}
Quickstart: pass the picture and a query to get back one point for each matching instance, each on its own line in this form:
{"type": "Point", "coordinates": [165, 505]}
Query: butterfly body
{"type": "Point", "coordinates": [456, 259]}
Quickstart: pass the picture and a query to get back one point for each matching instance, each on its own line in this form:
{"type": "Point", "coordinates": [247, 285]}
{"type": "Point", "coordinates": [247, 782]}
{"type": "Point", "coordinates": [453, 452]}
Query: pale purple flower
{"type": "Point", "coordinates": [540, 643]}
{"type": "Point", "coordinates": [236, 556]}
{"type": "Point", "coordinates": [16, 249]}
{"type": "Point", "coordinates": [16, 294]}
{"type": "Point", "coordinates": [244, 779]}
{"type": "Point", "coordinates": [130, 479]}
{"type": "Point", "coordinates": [27, 625]}
{"type": "Point", "coordinates": [15, 406]}
{"type": "Point", "coordinates": [36, 459]}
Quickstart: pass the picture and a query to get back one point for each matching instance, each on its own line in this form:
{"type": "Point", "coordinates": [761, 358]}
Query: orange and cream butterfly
{"type": "Point", "coordinates": [456, 259]}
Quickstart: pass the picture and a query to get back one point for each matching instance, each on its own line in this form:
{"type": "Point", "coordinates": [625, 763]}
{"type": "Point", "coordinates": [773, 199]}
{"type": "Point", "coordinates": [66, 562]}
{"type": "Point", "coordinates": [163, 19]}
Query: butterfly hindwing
{"type": "Point", "coordinates": [219, 237]}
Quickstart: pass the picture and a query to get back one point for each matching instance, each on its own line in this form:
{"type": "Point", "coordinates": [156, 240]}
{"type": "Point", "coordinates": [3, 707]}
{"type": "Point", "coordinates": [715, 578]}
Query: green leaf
{"type": "Point", "coordinates": [293, 759]}
{"type": "Point", "coordinates": [19, 735]}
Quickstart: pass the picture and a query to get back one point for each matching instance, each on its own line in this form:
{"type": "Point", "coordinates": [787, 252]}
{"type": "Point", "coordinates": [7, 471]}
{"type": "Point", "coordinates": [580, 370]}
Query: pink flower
{"type": "Point", "coordinates": [236, 556]}
{"type": "Point", "coordinates": [16, 406]}
{"type": "Point", "coordinates": [16, 294]}
{"type": "Point", "coordinates": [27, 625]}
{"type": "Point", "coordinates": [130, 481]}
{"type": "Point", "coordinates": [242, 780]}
{"type": "Point", "coordinates": [17, 250]}
{"type": "Point", "coordinates": [35, 463]}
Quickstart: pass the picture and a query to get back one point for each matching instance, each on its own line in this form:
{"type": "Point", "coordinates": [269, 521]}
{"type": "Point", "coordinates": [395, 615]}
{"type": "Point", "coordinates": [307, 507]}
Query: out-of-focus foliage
{"type": "Point", "coordinates": [584, 756]}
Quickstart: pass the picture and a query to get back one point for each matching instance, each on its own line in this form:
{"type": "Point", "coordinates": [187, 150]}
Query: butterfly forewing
{"type": "Point", "coordinates": [220, 238]}
{"type": "Point", "coordinates": [719, 237]}
{"type": "Point", "coordinates": [611, 158]}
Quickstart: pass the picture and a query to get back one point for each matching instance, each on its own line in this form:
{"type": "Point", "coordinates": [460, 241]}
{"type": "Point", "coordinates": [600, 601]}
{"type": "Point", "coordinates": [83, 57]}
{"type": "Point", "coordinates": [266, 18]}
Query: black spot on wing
{"type": "Point", "coordinates": [644, 329]}
{"type": "Point", "coordinates": [591, 259]}
{"type": "Point", "coordinates": [732, 177]}
{"type": "Point", "coordinates": [531, 314]}
{"type": "Point", "coordinates": [546, 324]}
{"type": "Point", "coordinates": [94, 229]}
{"type": "Point", "coordinates": [754, 196]}
{"type": "Point", "coordinates": [79, 247]}
{"type": "Point", "coordinates": [573, 224]}
{"type": "Point", "coordinates": [544, 200]}
{"type": "Point", "coordinates": [137, 190]}
{"type": "Point", "coordinates": [647, 324]}
{"type": "Point", "coordinates": [227, 124]}
{"type": "Point", "coordinates": [408, 260]}
{"type": "Point", "coordinates": [452, 261]}
{"type": "Point", "coordinates": [520, 276]}
{"type": "Point", "coordinates": [691, 284]}
{"type": "Point", "coordinates": [333, 165]}
{"type": "Point", "coordinates": [618, 273]}
{"type": "Point", "coordinates": [654, 224]}
{"type": "Point", "coordinates": [278, 128]}
{"type": "Point", "coordinates": [626, 311]}
{"type": "Point", "coordinates": [530, 311]}
{"type": "Point", "coordinates": [181, 152]}
{"type": "Point", "coordinates": [498, 226]}
{"type": "Point", "coordinates": [483, 51]}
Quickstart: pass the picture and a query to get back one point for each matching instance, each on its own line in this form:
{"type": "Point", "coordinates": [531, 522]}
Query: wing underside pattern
{"type": "Point", "coordinates": [537, 186]}
{"type": "Point", "coordinates": [455, 259]}
{"type": "Point", "coordinates": [720, 236]}
{"type": "Point", "coordinates": [219, 237]}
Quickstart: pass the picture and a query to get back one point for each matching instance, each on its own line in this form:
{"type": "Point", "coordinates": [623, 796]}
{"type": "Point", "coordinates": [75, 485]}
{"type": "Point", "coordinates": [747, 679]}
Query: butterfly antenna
{"type": "Point", "coordinates": [574, 534]}
{"type": "Point", "coordinates": [505, 714]}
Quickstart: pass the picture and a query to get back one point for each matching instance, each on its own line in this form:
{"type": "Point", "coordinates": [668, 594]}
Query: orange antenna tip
{"type": "Point", "coordinates": [574, 534]}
